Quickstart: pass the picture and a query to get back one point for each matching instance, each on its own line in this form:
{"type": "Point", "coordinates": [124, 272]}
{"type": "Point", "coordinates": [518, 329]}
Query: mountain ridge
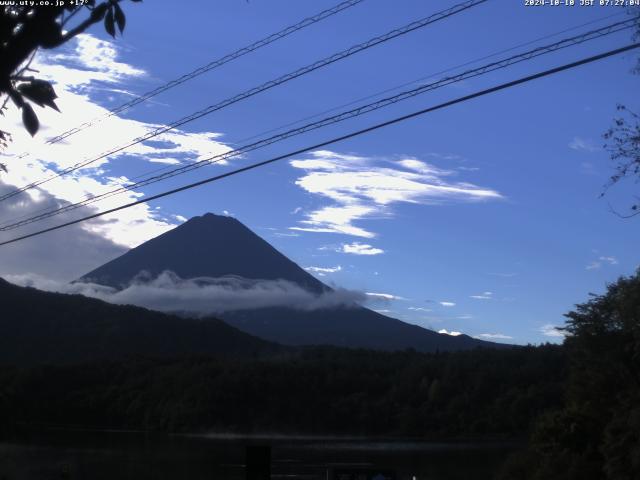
{"type": "Point", "coordinates": [257, 259]}
{"type": "Point", "coordinates": [39, 327]}
{"type": "Point", "coordinates": [214, 246]}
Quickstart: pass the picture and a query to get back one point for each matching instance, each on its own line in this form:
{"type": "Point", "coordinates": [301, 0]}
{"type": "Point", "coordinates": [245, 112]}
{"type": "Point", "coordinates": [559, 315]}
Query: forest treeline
{"type": "Point", "coordinates": [595, 434]}
{"type": "Point", "coordinates": [578, 403]}
{"type": "Point", "coordinates": [478, 393]}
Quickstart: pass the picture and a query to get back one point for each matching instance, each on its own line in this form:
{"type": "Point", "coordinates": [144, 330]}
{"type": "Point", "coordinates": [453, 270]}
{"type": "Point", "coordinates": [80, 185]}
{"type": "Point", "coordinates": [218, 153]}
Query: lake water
{"type": "Point", "coordinates": [121, 455]}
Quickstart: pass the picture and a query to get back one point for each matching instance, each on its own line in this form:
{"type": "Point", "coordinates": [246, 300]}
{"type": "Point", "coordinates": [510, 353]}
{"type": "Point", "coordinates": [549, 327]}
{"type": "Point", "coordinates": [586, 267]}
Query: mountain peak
{"type": "Point", "coordinates": [205, 246]}
{"type": "Point", "coordinates": [213, 217]}
{"type": "Point", "coordinates": [216, 246]}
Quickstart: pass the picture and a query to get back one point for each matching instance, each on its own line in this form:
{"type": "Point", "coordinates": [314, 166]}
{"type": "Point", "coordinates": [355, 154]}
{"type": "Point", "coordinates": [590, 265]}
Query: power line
{"type": "Point", "coordinates": [427, 77]}
{"type": "Point", "coordinates": [568, 42]}
{"type": "Point", "coordinates": [265, 86]}
{"type": "Point", "coordinates": [208, 67]}
{"type": "Point", "coordinates": [491, 67]}
{"type": "Point", "coordinates": [378, 126]}
{"type": "Point", "coordinates": [388, 90]}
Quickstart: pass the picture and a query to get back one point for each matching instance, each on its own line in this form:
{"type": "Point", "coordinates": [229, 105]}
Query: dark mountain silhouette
{"type": "Point", "coordinates": [345, 327]}
{"type": "Point", "coordinates": [39, 327]}
{"type": "Point", "coordinates": [215, 246]}
{"type": "Point", "coordinates": [206, 246]}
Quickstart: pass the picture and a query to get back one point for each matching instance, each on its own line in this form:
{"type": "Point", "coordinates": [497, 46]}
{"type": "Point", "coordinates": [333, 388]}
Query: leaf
{"type": "Point", "coordinates": [39, 92]}
{"type": "Point", "coordinates": [52, 104]}
{"type": "Point", "coordinates": [16, 97]}
{"type": "Point", "coordinates": [30, 119]}
{"type": "Point", "coordinates": [120, 18]}
{"type": "Point", "coordinates": [98, 12]}
{"type": "Point", "coordinates": [49, 34]}
{"type": "Point", "coordinates": [109, 23]}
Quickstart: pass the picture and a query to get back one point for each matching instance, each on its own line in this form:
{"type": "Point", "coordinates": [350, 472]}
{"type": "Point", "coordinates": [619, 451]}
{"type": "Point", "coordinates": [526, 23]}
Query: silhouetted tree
{"type": "Point", "coordinates": [596, 435]}
{"type": "Point", "coordinates": [623, 144]}
{"type": "Point", "coordinates": [26, 28]}
{"type": "Point", "coordinates": [623, 138]}
{"type": "Point", "coordinates": [478, 393]}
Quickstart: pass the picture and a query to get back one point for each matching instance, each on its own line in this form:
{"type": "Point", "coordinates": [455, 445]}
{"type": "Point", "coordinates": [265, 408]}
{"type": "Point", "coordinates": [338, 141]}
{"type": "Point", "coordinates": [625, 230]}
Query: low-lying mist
{"type": "Point", "coordinates": [203, 295]}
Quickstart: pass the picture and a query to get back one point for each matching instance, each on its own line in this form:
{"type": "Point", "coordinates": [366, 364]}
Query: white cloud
{"type": "Point", "coordinates": [357, 248]}
{"type": "Point", "coordinates": [165, 160]}
{"type": "Point", "coordinates": [383, 296]}
{"type": "Point", "coordinates": [493, 336]}
{"type": "Point", "coordinates": [363, 188]}
{"type": "Point", "coordinates": [603, 260]}
{"type": "Point", "coordinates": [445, 156]}
{"type": "Point", "coordinates": [482, 296]}
{"type": "Point", "coordinates": [322, 271]}
{"type": "Point", "coordinates": [80, 75]}
{"type": "Point", "coordinates": [588, 168]}
{"type": "Point", "coordinates": [98, 59]}
{"type": "Point", "coordinates": [419, 309]}
{"type": "Point", "coordinates": [447, 304]}
{"type": "Point", "coordinates": [203, 295]}
{"type": "Point", "coordinates": [550, 330]}
{"type": "Point", "coordinates": [583, 144]}
{"type": "Point", "coordinates": [337, 220]}
{"type": "Point", "coordinates": [64, 254]}
{"type": "Point", "coordinates": [453, 333]}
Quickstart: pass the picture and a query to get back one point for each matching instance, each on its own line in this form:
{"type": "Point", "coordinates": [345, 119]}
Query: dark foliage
{"type": "Point", "coordinates": [481, 393]}
{"type": "Point", "coordinates": [596, 435]}
{"type": "Point", "coordinates": [26, 27]}
{"type": "Point", "coordinates": [623, 144]}
{"type": "Point", "coordinates": [39, 328]}
{"type": "Point", "coordinates": [67, 359]}
{"type": "Point", "coordinates": [623, 138]}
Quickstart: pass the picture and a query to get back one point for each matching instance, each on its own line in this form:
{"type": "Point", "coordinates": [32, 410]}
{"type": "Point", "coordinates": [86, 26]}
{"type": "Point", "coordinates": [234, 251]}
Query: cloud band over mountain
{"type": "Point", "coordinates": [204, 295]}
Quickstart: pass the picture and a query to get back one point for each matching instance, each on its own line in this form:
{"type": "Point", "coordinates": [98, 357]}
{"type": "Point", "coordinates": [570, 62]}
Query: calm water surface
{"type": "Point", "coordinates": [118, 455]}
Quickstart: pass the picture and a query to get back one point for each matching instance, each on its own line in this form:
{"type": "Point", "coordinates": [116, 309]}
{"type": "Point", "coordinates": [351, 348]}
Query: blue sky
{"type": "Point", "coordinates": [483, 218]}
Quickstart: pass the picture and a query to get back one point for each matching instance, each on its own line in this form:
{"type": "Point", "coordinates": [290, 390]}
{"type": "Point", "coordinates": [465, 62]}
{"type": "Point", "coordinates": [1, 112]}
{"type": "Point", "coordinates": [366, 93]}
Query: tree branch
{"type": "Point", "coordinates": [97, 14]}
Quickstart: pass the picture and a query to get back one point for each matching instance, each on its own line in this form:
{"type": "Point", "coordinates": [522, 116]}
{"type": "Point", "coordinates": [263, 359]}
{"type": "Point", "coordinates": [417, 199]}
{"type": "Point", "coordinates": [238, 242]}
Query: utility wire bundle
{"type": "Point", "coordinates": [358, 111]}
{"type": "Point", "coordinates": [423, 22]}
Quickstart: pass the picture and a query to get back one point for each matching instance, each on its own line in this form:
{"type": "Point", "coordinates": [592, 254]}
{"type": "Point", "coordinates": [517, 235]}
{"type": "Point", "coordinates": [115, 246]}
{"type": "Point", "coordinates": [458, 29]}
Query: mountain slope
{"type": "Point", "coordinates": [206, 246]}
{"type": "Point", "coordinates": [214, 246]}
{"type": "Point", "coordinates": [40, 327]}
{"type": "Point", "coordinates": [345, 327]}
